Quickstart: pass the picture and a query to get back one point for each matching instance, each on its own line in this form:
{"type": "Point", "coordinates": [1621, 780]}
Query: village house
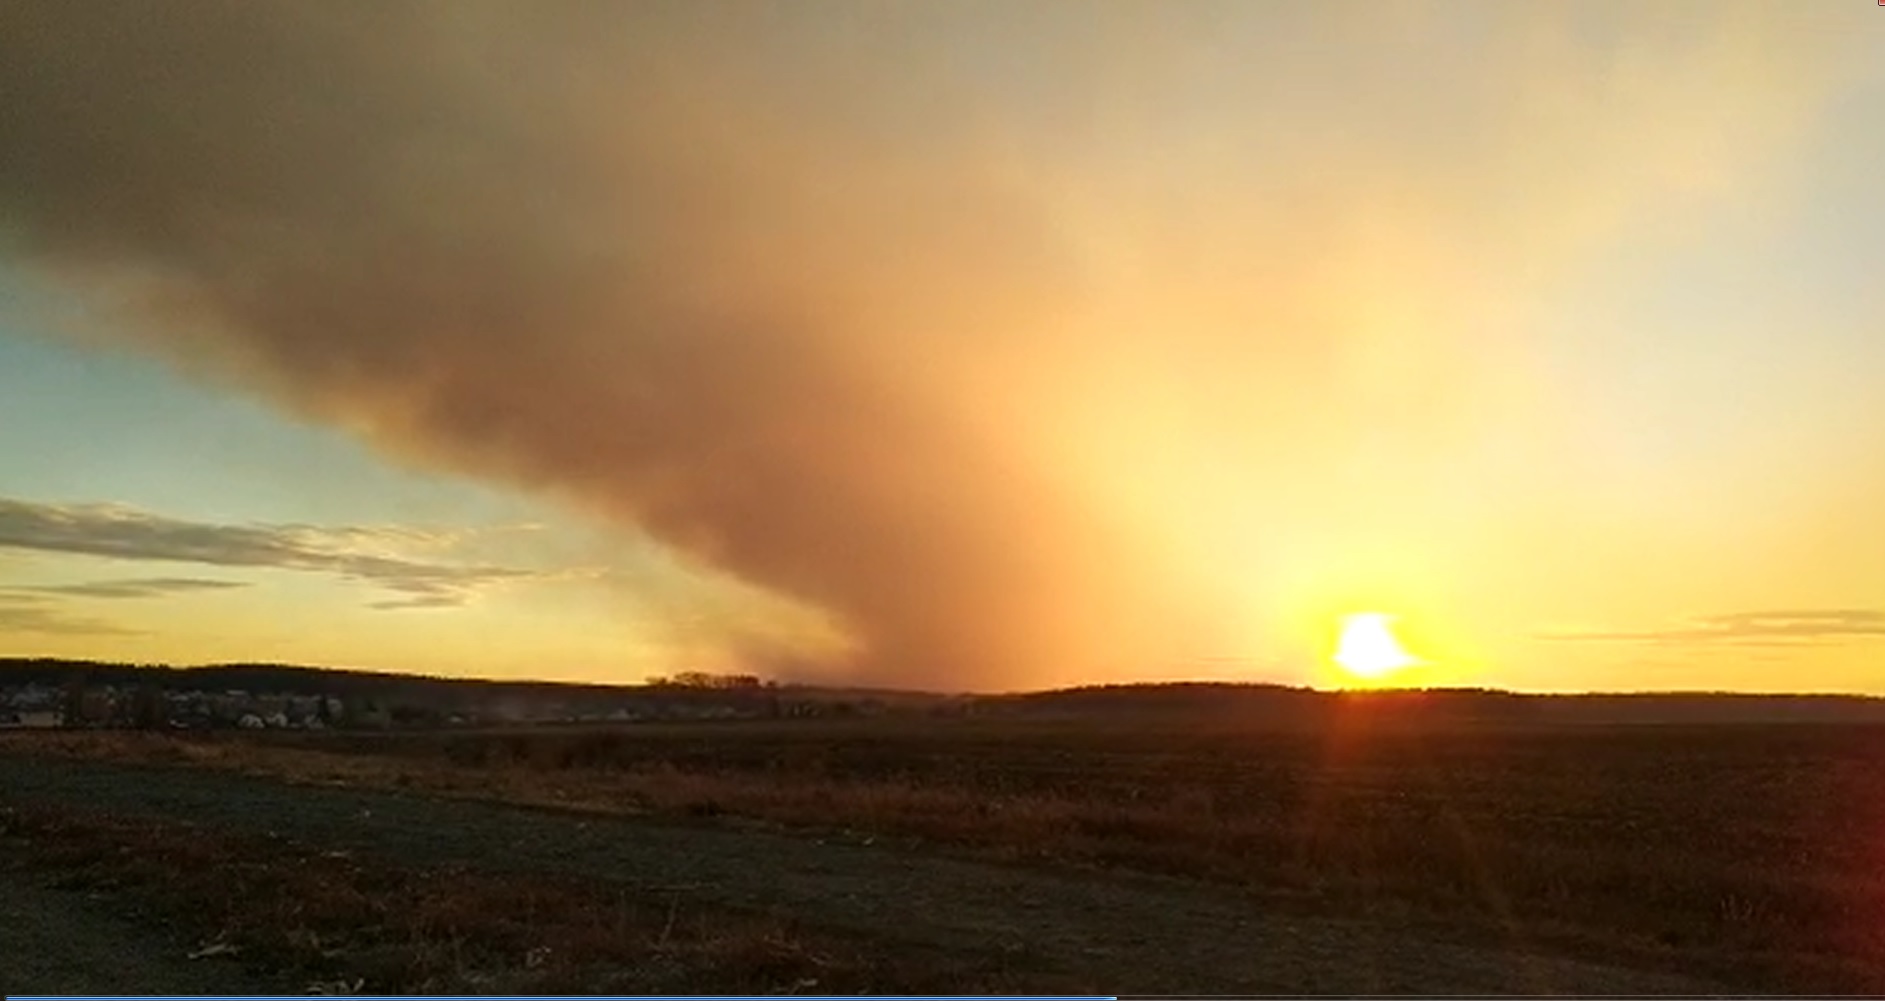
{"type": "Point", "coordinates": [32, 719]}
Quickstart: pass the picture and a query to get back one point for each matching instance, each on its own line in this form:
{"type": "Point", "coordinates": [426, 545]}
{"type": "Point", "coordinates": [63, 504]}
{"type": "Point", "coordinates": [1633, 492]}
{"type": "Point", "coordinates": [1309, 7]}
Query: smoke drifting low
{"type": "Point", "coordinates": [787, 286]}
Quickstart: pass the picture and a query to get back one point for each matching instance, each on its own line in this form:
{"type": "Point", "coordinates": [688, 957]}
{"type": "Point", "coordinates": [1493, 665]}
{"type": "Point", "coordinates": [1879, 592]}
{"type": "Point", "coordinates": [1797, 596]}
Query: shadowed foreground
{"type": "Point", "coordinates": [55, 941]}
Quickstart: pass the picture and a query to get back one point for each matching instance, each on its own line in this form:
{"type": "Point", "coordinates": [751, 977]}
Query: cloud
{"type": "Point", "coordinates": [420, 601]}
{"type": "Point", "coordinates": [989, 330]}
{"type": "Point", "coordinates": [114, 531]}
{"type": "Point", "coordinates": [139, 587]}
{"type": "Point", "coordinates": [35, 614]}
{"type": "Point", "coordinates": [1788, 627]}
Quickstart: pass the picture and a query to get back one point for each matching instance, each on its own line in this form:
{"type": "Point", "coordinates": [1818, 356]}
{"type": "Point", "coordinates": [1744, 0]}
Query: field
{"type": "Point", "coordinates": [1748, 856]}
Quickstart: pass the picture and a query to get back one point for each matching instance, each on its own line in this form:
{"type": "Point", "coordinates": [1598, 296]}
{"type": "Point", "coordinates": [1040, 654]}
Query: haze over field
{"type": "Point", "coordinates": [954, 345]}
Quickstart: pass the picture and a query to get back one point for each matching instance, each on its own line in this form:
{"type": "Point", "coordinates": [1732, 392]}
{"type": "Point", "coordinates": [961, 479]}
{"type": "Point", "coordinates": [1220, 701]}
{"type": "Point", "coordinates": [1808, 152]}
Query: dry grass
{"type": "Point", "coordinates": [1753, 852]}
{"type": "Point", "coordinates": [335, 923]}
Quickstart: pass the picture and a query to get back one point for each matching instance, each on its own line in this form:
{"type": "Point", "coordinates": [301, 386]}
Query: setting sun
{"type": "Point", "coordinates": [1368, 648]}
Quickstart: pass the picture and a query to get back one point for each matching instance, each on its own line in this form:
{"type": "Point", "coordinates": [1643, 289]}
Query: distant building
{"type": "Point", "coordinates": [33, 719]}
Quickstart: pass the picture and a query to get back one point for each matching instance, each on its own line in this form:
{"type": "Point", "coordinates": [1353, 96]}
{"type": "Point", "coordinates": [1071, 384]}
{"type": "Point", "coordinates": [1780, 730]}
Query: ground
{"type": "Point", "coordinates": [56, 941]}
{"type": "Point", "coordinates": [1102, 931]}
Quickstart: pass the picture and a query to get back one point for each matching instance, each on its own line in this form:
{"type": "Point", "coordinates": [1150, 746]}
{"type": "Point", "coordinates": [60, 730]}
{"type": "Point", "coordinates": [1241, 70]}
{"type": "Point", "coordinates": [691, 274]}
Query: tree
{"type": "Point", "coordinates": [705, 679]}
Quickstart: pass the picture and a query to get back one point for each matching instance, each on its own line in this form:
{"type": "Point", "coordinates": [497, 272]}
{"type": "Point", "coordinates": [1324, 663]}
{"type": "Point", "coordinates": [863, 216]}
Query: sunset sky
{"type": "Point", "coordinates": [954, 344]}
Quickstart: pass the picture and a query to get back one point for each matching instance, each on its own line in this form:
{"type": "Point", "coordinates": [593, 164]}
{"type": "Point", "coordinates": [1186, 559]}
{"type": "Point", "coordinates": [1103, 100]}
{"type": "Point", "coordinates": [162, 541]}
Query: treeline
{"type": "Point", "coordinates": [1279, 704]}
{"type": "Point", "coordinates": [1259, 704]}
{"type": "Point", "coordinates": [270, 679]}
{"type": "Point", "coordinates": [406, 696]}
{"type": "Point", "coordinates": [704, 680]}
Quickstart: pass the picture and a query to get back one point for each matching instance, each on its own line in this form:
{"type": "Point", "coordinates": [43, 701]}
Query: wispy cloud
{"type": "Point", "coordinates": [33, 613]}
{"type": "Point", "coordinates": [136, 587]}
{"type": "Point", "coordinates": [362, 554]}
{"type": "Point", "coordinates": [1782, 627]}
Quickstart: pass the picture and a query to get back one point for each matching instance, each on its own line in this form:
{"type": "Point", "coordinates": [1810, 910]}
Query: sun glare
{"type": "Point", "coordinates": [1368, 649]}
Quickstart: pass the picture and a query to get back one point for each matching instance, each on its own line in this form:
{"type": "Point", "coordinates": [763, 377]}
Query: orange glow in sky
{"type": "Point", "coordinates": [952, 345]}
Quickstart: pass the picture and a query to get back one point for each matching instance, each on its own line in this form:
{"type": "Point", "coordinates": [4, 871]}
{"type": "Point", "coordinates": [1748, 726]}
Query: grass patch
{"type": "Point", "coordinates": [1751, 852]}
{"type": "Point", "coordinates": [340, 924]}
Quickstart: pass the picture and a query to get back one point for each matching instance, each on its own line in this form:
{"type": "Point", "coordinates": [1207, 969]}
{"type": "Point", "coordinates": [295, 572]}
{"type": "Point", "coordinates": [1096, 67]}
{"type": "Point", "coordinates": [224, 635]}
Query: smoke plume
{"type": "Point", "coordinates": [784, 285]}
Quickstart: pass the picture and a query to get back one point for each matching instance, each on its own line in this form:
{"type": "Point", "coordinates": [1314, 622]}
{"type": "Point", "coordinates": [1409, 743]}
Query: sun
{"type": "Point", "coordinates": [1368, 649]}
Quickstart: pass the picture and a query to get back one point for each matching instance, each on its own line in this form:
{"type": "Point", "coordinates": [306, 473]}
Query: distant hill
{"type": "Point", "coordinates": [269, 679]}
{"type": "Point", "coordinates": [1260, 704]}
{"type": "Point", "coordinates": [1218, 702]}
{"type": "Point", "coordinates": [483, 698]}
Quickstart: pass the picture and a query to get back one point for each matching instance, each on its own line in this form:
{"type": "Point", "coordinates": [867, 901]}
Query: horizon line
{"type": "Point", "coordinates": [8, 660]}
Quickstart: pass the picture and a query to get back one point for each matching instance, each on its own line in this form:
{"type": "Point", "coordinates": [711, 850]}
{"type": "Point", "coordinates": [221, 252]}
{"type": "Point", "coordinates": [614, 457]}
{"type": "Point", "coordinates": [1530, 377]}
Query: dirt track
{"type": "Point", "coordinates": [1120, 933]}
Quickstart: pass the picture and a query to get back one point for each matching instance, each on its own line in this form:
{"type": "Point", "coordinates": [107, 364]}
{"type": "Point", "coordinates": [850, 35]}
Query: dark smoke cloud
{"type": "Point", "coordinates": [594, 250]}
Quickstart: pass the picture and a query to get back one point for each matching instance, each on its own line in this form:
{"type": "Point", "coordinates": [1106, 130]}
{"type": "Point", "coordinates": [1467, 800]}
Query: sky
{"type": "Point", "coordinates": [953, 345]}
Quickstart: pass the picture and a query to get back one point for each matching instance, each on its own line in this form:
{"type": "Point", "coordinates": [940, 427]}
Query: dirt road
{"type": "Point", "coordinates": [1119, 933]}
